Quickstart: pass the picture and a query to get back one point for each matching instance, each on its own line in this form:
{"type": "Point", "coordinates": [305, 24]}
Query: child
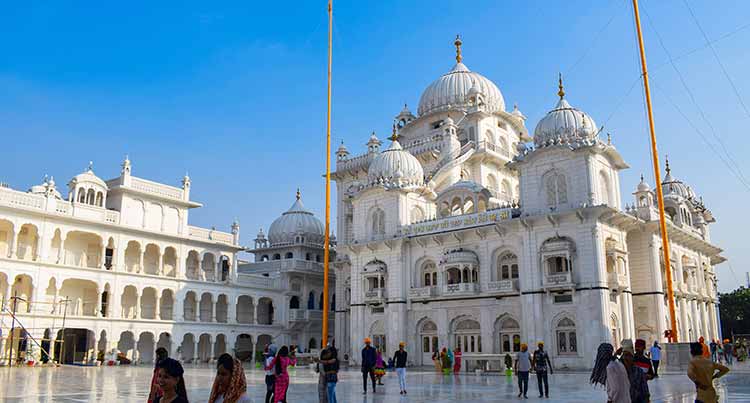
{"type": "Point", "coordinates": [379, 366]}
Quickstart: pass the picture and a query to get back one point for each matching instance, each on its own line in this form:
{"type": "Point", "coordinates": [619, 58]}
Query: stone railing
{"type": "Point", "coordinates": [297, 315]}
{"type": "Point", "coordinates": [486, 145]}
{"type": "Point", "coordinates": [502, 286]}
{"type": "Point", "coordinates": [112, 217]}
{"type": "Point", "coordinates": [617, 280]}
{"type": "Point", "coordinates": [14, 198]}
{"type": "Point", "coordinates": [210, 235]}
{"type": "Point", "coordinates": [375, 295]}
{"type": "Point", "coordinates": [558, 280]}
{"type": "Point", "coordinates": [422, 292]}
{"type": "Point", "coordinates": [355, 163]}
{"type": "Point", "coordinates": [154, 188]}
{"type": "Point", "coordinates": [258, 281]}
{"type": "Point", "coordinates": [457, 222]}
{"type": "Point", "coordinates": [461, 288]}
{"type": "Point", "coordinates": [287, 265]}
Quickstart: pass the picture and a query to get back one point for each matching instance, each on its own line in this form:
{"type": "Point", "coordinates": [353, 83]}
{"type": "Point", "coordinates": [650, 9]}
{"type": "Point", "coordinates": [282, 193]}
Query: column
{"type": "Point", "coordinates": [141, 262]}
{"type": "Point", "coordinates": [137, 306]}
{"type": "Point", "coordinates": [696, 319]}
{"type": "Point", "coordinates": [12, 244]}
{"type": "Point", "coordinates": [102, 256]}
{"type": "Point", "coordinates": [161, 263]}
{"type": "Point", "coordinates": [157, 312]}
{"type": "Point", "coordinates": [255, 312]}
{"type": "Point", "coordinates": [98, 312]}
{"type": "Point", "coordinates": [214, 302]}
{"type": "Point", "coordinates": [196, 351]}
{"type": "Point", "coordinates": [231, 309]}
{"type": "Point", "coordinates": [197, 309]}
{"type": "Point", "coordinates": [201, 276]}
{"type": "Point", "coordinates": [255, 347]}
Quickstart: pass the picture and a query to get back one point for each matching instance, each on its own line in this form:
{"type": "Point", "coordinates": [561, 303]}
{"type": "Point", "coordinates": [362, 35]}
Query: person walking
{"type": "Point", "coordinates": [719, 351]}
{"type": "Point", "coordinates": [457, 360]}
{"type": "Point", "coordinates": [703, 372]}
{"type": "Point", "coordinates": [171, 382]}
{"type": "Point", "coordinates": [270, 353]}
{"type": "Point", "coordinates": [230, 384]}
{"type": "Point", "coordinates": [540, 363]}
{"type": "Point", "coordinates": [705, 350]}
{"type": "Point", "coordinates": [161, 353]}
{"type": "Point", "coordinates": [368, 365]}
{"type": "Point", "coordinates": [522, 368]}
{"type": "Point", "coordinates": [445, 361]}
{"type": "Point", "coordinates": [641, 361]}
{"type": "Point", "coordinates": [379, 366]}
{"type": "Point", "coordinates": [279, 364]}
{"type": "Point", "coordinates": [330, 362]}
{"type": "Point", "coordinates": [610, 372]}
{"type": "Point", "coordinates": [399, 361]}
{"type": "Point", "coordinates": [436, 362]}
{"type": "Point", "coordinates": [655, 353]}
{"type": "Point", "coordinates": [728, 350]}
{"type": "Point", "coordinates": [639, 392]}
{"type": "Point", "coordinates": [713, 346]}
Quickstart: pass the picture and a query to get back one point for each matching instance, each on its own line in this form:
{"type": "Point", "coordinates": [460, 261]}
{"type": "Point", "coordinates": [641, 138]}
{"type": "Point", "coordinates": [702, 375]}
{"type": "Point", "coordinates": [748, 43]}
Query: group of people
{"type": "Point", "coordinates": [625, 372]}
{"type": "Point", "coordinates": [230, 384]}
{"type": "Point", "coordinates": [447, 360]}
{"type": "Point", "coordinates": [726, 351]}
{"type": "Point", "coordinates": [373, 366]}
{"type": "Point", "coordinates": [541, 364]}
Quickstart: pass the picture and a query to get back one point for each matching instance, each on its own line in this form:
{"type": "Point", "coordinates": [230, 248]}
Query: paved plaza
{"type": "Point", "coordinates": [130, 384]}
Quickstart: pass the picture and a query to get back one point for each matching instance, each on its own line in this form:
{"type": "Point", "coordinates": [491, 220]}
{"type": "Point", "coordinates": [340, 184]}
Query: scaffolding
{"type": "Point", "coordinates": [21, 338]}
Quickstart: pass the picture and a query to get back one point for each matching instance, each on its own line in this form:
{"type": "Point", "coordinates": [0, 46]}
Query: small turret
{"type": "Point", "coordinates": [342, 153]}
{"type": "Point", "coordinates": [186, 187]}
{"type": "Point", "coordinates": [373, 144]}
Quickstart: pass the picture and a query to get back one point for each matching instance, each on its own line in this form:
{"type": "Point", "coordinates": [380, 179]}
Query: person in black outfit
{"type": "Point", "coordinates": [171, 382]}
{"type": "Point", "coordinates": [399, 360]}
{"type": "Point", "coordinates": [368, 365]}
{"type": "Point", "coordinates": [540, 361]}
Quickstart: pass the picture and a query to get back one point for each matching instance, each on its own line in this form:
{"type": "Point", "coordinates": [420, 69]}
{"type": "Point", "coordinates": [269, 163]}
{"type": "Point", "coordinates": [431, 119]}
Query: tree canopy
{"type": "Point", "coordinates": [735, 312]}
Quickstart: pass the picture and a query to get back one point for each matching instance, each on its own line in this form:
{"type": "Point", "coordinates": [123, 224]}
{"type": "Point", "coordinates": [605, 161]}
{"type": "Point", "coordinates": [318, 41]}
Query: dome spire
{"type": "Point", "coordinates": [668, 169]}
{"type": "Point", "coordinates": [394, 133]}
{"type": "Point", "coordinates": [561, 90]}
{"type": "Point", "coordinates": [458, 44]}
{"type": "Point", "coordinates": [299, 195]}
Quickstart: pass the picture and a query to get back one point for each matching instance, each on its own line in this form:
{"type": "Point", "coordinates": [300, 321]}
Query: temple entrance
{"type": "Point", "coordinates": [74, 346]}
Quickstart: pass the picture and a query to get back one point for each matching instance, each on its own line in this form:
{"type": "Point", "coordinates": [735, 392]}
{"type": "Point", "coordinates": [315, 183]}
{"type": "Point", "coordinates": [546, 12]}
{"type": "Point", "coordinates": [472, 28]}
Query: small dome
{"type": "Point", "coordinates": [296, 221]}
{"type": "Point", "coordinates": [675, 187]}
{"type": "Point", "coordinates": [465, 185]}
{"type": "Point", "coordinates": [342, 149]}
{"type": "Point", "coordinates": [453, 90]}
{"type": "Point", "coordinates": [396, 166]}
{"type": "Point", "coordinates": [88, 177]}
{"type": "Point", "coordinates": [564, 124]}
{"type": "Point", "coordinates": [517, 113]}
{"type": "Point", "coordinates": [643, 186]}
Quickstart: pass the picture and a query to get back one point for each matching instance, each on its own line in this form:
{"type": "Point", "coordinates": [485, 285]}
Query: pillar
{"type": "Point", "coordinates": [137, 306]}
{"type": "Point", "coordinates": [214, 302]}
{"type": "Point", "coordinates": [255, 347]}
{"type": "Point", "coordinates": [12, 243]}
{"type": "Point", "coordinates": [102, 255]}
{"type": "Point", "coordinates": [178, 309]}
{"type": "Point", "coordinates": [98, 312]}
{"type": "Point", "coordinates": [231, 310]}
{"type": "Point", "coordinates": [157, 312]}
{"type": "Point", "coordinates": [255, 313]}
{"type": "Point", "coordinates": [141, 262]}
{"type": "Point", "coordinates": [161, 263]}
{"type": "Point", "coordinates": [196, 350]}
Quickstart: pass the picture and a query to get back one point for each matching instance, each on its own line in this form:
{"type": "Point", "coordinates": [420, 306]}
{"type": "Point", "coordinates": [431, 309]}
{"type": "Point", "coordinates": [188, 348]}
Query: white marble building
{"type": "Point", "coordinates": [468, 232]}
{"type": "Point", "coordinates": [134, 273]}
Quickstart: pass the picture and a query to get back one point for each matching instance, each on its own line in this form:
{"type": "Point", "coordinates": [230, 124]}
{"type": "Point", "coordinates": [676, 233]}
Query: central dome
{"type": "Point", "coordinates": [455, 89]}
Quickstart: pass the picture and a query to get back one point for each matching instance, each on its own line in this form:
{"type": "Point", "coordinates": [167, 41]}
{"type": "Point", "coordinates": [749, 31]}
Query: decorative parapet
{"type": "Point", "coordinates": [457, 222]}
{"type": "Point", "coordinates": [210, 235]}
{"type": "Point", "coordinates": [157, 189]}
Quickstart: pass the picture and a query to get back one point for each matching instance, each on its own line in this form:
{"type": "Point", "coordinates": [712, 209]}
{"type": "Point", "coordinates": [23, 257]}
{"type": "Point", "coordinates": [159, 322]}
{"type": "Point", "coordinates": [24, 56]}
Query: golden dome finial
{"type": "Point", "coordinates": [668, 169]}
{"type": "Point", "coordinates": [299, 195]}
{"type": "Point", "coordinates": [458, 44]}
{"type": "Point", "coordinates": [394, 133]}
{"type": "Point", "coordinates": [561, 91]}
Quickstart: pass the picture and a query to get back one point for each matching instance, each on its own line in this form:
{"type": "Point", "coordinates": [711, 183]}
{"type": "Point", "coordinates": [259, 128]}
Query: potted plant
{"type": "Point", "coordinates": [508, 365]}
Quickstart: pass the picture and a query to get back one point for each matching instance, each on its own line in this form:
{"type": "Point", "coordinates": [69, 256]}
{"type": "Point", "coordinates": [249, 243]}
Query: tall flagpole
{"type": "Point", "coordinates": [657, 177]}
{"type": "Point", "coordinates": [327, 240]}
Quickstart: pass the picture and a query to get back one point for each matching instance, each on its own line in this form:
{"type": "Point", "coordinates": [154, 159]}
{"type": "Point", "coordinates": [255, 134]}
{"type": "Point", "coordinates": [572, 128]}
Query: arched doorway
{"type": "Point", "coordinates": [467, 335]}
{"type": "Point", "coordinates": [428, 336]}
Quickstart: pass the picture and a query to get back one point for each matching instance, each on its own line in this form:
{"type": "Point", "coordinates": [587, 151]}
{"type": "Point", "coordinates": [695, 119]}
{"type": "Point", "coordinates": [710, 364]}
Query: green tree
{"type": "Point", "coordinates": [734, 309]}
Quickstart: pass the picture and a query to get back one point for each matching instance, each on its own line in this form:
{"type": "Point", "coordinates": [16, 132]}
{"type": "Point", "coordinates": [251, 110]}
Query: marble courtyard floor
{"type": "Point", "coordinates": [130, 384]}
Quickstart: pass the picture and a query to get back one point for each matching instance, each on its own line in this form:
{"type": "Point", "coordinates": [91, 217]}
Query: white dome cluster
{"type": "Point", "coordinates": [297, 221]}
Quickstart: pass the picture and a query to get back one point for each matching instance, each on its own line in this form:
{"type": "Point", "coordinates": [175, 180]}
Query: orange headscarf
{"type": "Point", "coordinates": [237, 385]}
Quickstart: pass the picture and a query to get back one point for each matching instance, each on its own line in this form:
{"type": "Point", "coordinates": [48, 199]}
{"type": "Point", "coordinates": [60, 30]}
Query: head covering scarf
{"type": "Point", "coordinates": [237, 385]}
{"type": "Point", "coordinates": [603, 358]}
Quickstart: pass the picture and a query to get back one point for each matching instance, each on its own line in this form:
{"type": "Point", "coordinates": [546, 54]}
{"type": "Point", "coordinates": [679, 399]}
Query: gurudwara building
{"type": "Point", "coordinates": [466, 230]}
{"type": "Point", "coordinates": [116, 266]}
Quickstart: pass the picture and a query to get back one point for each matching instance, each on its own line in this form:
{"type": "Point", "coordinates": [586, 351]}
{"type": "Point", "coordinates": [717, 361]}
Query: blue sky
{"type": "Point", "coordinates": [235, 93]}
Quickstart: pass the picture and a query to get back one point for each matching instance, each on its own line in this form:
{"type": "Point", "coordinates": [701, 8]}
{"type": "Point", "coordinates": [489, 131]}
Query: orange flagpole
{"type": "Point", "coordinates": [657, 178]}
{"type": "Point", "coordinates": [327, 240]}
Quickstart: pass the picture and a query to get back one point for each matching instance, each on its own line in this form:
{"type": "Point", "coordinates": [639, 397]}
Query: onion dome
{"type": "Point", "coordinates": [565, 125]}
{"type": "Point", "coordinates": [674, 187]}
{"type": "Point", "coordinates": [395, 167]}
{"type": "Point", "coordinates": [455, 88]}
{"type": "Point", "coordinates": [297, 221]}
{"type": "Point", "coordinates": [643, 186]}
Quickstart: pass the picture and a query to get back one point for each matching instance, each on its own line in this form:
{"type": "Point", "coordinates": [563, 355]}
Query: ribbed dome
{"type": "Point", "coordinates": [675, 187]}
{"type": "Point", "coordinates": [452, 90]}
{"type": "Point", "coordinates": [296, 221]}
{"type": "Point", "coordinates": [564, 124]}
{"type": "Point", "coordinates": [396, 167]}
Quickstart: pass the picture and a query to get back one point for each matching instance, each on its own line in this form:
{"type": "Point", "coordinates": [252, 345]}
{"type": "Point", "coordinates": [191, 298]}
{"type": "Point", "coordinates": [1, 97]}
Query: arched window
{"type": "Point", "coordinates": [294, 303]}
{"type": "Point", "coordinates": [491, 183]}
{"type": "Point", "coordinates": [557, 191]}
{"type": "Point", "coordinates": [567, 341]}
{"type": "Point", "coordinates": [311, 300]}
{"type": "Point", "coordinates": [507, 265]}
{"type": "Point", "coordinates": [377, 223]}
{"type": "Point", "coordinates": [276, 256]}
{"type": "Point", "coordinates": [488, 137]}
{"type": "Point", "coordinates": [289, 255]}
{"type": "Point", "coordinates": [502, 145]}
{"type": "Point", "coordinates": [82, 195]}
{"type": "Point", "coordinates": [509, 333]}
{"type": "Point", "coordinates": [320, 302]}
{"type": "Point", "coordinates": [557, 264]}
{"type": "Point", "coordinates": [429, 274]}
{"type": "Point", "coordinates": [505, 190]}
{"type": "Point", "coordinates": [99, 199]}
